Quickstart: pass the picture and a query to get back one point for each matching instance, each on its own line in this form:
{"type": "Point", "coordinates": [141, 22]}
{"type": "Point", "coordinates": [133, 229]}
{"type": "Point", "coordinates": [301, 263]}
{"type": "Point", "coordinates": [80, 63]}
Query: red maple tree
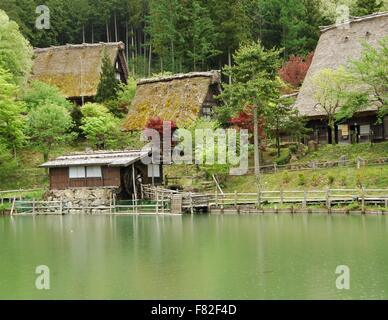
{"type": "Point", "coordinates": [156, 123]}
{"type": "Point", "coordinates": [295, 69]}
{"type": "Point", "coordinates": [245, 121]}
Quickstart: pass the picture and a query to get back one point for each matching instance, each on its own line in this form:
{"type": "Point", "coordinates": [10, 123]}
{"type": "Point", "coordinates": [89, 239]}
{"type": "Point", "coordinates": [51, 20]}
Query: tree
{"type": "Point", "coordinates": [256, 84]}
{"type": "Point", "coordinates": [11, 120]}
{"type": "Point", "coordinates": [48, 126]}
{"type": "Point", "coordinates": [200, 35]}
{"type": "Point", "coordinates": [101, 128]}
{"type": "Point", "coordinates": [370, 73]}
{"type": "Point", "coordinates": [39, 93]}
{"type": "Point", "coordinates": [365, 7]}
{"type": "Point", "coordinates": [255, 80]}
{"type": "Point", "coordinates": [332, 92]}
{"type": "Point", "coordinates": [109, 85]}
{"type": "Point", "coordinates": [8, 164]}
{"type": "Point", "coordinates": [295, 69]}
{"type": "Point", "coordinates": [125, 95]}
{"type": "Point", "coordinates": [15, 51]}
{"type": "Point", "coordinates": [283, 119]}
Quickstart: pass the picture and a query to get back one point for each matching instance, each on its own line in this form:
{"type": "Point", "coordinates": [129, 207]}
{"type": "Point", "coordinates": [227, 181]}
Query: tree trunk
{"type": "Point", "coordinates": [278, 140]}
{"type": "Point", "coordinates": [92, 33]}
{"type": "Point", "coordinates": [133, 53]}
{"type": "Point", "coordinates": [230, 64]}
{"type": "Point", "coordinates": [107, 32]}
{"type": "Point", "coordinates": [126, 41]}
{"type": "Point", "coordinates": [150, 60]}
{"type": "Point", "coordinates": [116, 35]}
{"type": "Point", "coordinates": [83, 34]}
{"type": "Point", "coordinates": [172, 57]}
{"type": "Point", "coordinates": [256, 141]}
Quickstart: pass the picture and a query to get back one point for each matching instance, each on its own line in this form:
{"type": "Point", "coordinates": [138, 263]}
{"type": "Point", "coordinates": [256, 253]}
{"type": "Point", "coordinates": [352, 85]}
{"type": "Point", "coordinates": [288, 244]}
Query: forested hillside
{"type": "Point", "coordinates": [182, 35]}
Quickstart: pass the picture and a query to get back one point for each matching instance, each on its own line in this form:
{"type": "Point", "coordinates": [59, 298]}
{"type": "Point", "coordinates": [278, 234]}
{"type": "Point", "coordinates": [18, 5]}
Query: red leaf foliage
{"type": "Point", "coordinates": [156, 123]}
{"type": "Point", "coordinates": [295, 69]}
{"type": "Point", "coordinates": [245, 121]}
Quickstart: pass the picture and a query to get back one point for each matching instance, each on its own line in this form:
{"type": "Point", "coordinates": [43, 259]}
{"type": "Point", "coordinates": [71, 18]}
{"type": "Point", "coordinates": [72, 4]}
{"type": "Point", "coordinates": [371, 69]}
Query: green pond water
{"type": "Point", "coordinates": [194, 257]}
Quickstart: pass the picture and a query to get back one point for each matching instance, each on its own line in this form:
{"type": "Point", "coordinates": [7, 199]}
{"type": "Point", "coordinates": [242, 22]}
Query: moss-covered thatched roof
{"type": "Point", "coordinates": [176, 98]}
{"type": "Point", "coordinates": [75, 69]}
{"type": "Point", "coordinates": [337, 46]}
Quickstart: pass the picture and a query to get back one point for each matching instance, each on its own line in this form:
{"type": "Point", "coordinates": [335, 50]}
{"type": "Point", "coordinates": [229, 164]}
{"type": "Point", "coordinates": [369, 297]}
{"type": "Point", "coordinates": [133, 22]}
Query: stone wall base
{"type": "Point", "coordinates": [83, 200]}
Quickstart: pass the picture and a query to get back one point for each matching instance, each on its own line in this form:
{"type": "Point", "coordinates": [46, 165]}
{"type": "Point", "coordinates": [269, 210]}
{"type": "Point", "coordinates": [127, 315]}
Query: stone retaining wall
{"type": "Point", "coordinates": [83, 200]}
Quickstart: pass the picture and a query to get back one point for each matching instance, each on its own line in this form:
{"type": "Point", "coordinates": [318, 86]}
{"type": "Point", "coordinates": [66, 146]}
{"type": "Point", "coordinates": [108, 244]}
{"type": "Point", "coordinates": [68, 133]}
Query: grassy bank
{"type": "Point", "coordinates": [341, 178]}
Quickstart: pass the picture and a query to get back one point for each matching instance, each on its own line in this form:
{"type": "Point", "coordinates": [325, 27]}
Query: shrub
{"type": "Point", "coordinates": [330, 180]}
{"type": "Point", "coordinates": [286, 178]}
{"type": "Point", "coordinates": [283, 159]}
{"type": "Point", "coordinates": [301, 179]}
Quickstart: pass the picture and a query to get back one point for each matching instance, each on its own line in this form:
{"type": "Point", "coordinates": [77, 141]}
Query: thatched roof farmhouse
{"type": "Point", "coordinates": [76, 69]}
{"type": "Point", "coordinates": [337, 46]}
{"type": "Point", "coordinates": [181, 98]}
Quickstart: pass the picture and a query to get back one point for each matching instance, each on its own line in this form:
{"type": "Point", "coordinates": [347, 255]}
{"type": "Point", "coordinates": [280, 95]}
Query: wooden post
{"type": "Point", "coordinates": [304, 204]}
{"type": "Point", "coordinates": [216, 198]}
{"type": "Point", "coordinates": [281, 196]}
{"type": "Point", "coordinates": [328, 204]}
{"type": "Point", "coordinates": [362, 201]}
{"type": "Point", "coordinates": [33, 206]}
{"type": "Point", "coordinates": [110, 203]}
{"type": "Point", "coordinates": [275, 167]}
{"type": "Point", "coordinates": [235, 200]}
{"type": "Point", "coordinates": [114, 202]}
{"type": "Point", "coordinates": [13, 206]}
{"type": "Point", "coordinates": [191, 204]}
{"type": "Point", "coordinates": [162, 202]}
{"type": "Point", "coordinates": [157, 203]}
{"type": "Point", "coordinates": [61, 207]}
{"type": "Point", "coordinates": [259, 199]}
{"type": "Point", "coordinates": [222, 203]}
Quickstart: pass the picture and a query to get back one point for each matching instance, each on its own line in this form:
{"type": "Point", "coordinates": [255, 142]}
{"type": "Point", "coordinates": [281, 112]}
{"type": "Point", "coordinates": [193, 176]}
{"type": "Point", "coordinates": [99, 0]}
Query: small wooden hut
{"type": "Point", "coordinates": [181, 98]}
{"type": "Point", "coordinates": [76, 69]}
{"type": "Point", "coordinates": [337, 46]}
{"type": "Point", "coordinates": [123, 171]}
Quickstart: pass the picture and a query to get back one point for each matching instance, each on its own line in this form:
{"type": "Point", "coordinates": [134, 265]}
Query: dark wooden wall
{"type": "Point", "coordinates": [59, 179]}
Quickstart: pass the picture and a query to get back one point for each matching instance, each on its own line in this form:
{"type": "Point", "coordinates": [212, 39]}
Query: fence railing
{"type": "Point", "coordinates": [315, 165]}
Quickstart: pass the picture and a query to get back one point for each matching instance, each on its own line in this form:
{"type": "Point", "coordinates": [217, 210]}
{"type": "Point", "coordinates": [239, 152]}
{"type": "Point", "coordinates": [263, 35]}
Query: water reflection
{"type": "Point", "coordinates": [194, 257]}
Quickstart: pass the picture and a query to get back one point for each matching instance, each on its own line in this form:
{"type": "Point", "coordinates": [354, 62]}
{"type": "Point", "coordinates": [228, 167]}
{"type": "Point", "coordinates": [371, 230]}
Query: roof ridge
{"type": "Point", "coordinates": [214, 74]}
{"type": "Point", "coordinates": [119, 44]}
{"type": "Point", "coordinates": [354, 19]}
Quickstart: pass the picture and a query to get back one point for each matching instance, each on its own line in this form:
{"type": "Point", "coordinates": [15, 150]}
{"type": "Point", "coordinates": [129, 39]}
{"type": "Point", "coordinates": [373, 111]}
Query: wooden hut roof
{"type": "Point", "coordinates": [101, 158]}
{"type": "Point", "coordinates": [338, 46]}
{"type": "Point", "coordinates": [75, 69]}
{"type": "Point", "coordinates": [176, 98]}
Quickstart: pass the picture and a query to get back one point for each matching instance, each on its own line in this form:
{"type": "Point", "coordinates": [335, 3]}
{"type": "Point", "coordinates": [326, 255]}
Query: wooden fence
{"type": "Point", "coordinates": [329, 198]}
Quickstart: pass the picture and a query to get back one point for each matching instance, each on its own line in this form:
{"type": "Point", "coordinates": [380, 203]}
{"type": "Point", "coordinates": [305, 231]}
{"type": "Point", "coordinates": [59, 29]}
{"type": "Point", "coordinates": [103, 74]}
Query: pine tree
{"type": "Point", "coordinates": [365, 7]}
{"type": "Point", "coordinates": [109, 85]}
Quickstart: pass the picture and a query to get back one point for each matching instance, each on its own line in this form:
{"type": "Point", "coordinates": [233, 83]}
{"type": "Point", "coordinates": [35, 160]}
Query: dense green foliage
{"type": "Point", "coordinates": [108, 86]}
{"type": "Point", "coordinates": [49, 125]}
{"type": "Point", "coordinates": [11, 120]}
{"type": "Point", "coordinates": [15, 51]}
{"type": "Point", "coordinates": [255, 81]}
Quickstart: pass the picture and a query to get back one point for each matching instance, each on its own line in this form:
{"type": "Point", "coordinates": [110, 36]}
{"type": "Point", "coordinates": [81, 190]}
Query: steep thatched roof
{"type": "Point", "coordinates": [176, 98]}
{"type": "Point", "coordinates": [75, 69]}
{"type": "Point", "coordinates": [338, 46]}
